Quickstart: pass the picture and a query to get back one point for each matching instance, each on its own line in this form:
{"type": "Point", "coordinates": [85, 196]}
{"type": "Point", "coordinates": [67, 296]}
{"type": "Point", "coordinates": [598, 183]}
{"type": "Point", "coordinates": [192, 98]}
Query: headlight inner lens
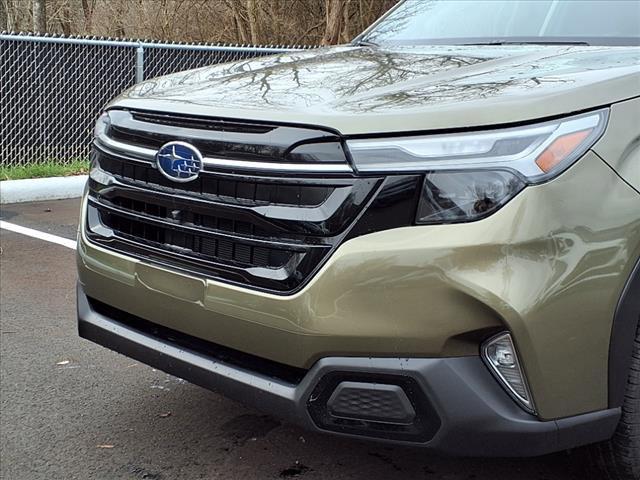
{"type": "Point", "coordinates": [459, 196]}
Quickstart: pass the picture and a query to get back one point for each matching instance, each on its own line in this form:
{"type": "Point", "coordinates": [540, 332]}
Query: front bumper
{"type": "Point", "coordinates": [548, 267]}
{"type": "Point", "coordinates": [466, 412]}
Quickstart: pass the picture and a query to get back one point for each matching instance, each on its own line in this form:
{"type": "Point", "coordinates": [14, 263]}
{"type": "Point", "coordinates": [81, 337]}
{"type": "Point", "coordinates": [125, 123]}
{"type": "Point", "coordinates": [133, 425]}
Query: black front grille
{"type": "Point", "coordinates": [266, 231]}
{"type": "Point", "coordinates": [215, 239]}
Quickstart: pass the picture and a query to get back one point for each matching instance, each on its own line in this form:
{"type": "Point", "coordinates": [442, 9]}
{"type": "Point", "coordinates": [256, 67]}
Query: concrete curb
{"type": "Point", "coordinates": [33, 190]}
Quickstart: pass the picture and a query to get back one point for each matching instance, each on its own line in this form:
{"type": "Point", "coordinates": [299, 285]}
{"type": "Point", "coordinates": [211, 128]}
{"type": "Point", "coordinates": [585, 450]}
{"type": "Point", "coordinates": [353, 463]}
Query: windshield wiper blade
{"type": "Point", "coordinates": [365, 43]}
{"type": "Point", "coordinates": [529, 42]}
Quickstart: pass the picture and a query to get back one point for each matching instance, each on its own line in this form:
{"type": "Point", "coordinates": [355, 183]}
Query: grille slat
{"type": "Point", "coordinates": [179, 228]}
{"type": "Point", "coordinates": [200, 123]}
{"type": "Point", "coordinates": [213, 248]}
{"type": "Point", "coordinates": [241, 191]}
{"type": "Point", "coordinates": [186, 218]}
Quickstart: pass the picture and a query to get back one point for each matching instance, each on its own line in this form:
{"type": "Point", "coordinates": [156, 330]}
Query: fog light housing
{"type": "Point", "coordinates": [499, 353]}
{"type": "Point", "coordinates": [374, 405]}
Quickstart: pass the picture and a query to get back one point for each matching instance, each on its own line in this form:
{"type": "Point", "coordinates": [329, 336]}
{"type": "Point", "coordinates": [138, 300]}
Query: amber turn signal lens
{"type": "Point", "coordinates": [560, 149]}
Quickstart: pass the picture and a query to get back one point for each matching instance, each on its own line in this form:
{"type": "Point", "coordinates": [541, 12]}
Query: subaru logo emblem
{"type": "Point", "coordinates": [179, 161]}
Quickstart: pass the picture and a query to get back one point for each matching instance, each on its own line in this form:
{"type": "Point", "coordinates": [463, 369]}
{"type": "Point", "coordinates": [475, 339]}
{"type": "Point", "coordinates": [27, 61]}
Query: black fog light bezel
{"type": "Point", "coordinates": [422, 429]}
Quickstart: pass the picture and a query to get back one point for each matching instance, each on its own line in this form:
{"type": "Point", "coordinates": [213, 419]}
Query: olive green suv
{"type": "Point", "coordinates": [430, 236]}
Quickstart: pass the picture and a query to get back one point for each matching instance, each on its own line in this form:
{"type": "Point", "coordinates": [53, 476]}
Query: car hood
{"type": "Point", "coordinates": [364, 90]}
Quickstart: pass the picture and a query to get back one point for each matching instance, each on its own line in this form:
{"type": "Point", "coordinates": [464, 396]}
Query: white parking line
{"type": "Point", "coordinates": [30, 232]}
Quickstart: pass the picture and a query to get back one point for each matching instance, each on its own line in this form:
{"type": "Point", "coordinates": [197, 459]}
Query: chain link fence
{"type": "Point", "coordinates": [53, 88]}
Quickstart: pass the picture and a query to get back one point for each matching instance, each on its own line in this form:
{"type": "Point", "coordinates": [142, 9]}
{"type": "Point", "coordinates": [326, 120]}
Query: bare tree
{"type": "Point", "coordinates": [64, 18]}
{"type": "Point", "coordinates": [5, 19]}
{"type": "Point", "coordinates": [253, 16]}
{"type": "Point", "coordinates": [39, 16]}
{"type": "Point", "coordinates": [88, 7]}
{"type": "Point", "coordinates": [233, 21]}
{"type": "Point", "coordinates": [334, 11]}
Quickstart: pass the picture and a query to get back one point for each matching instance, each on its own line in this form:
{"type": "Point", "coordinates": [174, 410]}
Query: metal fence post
{"type": "Point", "coordinates": [139, 63]}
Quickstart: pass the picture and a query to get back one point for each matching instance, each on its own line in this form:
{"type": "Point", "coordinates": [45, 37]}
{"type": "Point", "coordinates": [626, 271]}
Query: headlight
{"type": "Point", "coordinates": [102, 125]}
{"type": "Point", "coordinates": [471, 174]}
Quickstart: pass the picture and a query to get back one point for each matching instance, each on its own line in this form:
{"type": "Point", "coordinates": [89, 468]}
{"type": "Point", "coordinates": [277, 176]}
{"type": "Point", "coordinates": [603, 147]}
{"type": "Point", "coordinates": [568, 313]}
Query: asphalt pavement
{"type": "Point", "coordinates": [70, 409]}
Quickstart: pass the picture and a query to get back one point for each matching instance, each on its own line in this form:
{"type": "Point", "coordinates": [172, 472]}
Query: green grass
{"type": "Point", "coordinates": [47, 169]}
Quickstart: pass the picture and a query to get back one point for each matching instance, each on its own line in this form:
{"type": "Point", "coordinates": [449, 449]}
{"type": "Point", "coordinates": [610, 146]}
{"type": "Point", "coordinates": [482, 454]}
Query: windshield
{"type": "Point", "coordinates": [594, 22]}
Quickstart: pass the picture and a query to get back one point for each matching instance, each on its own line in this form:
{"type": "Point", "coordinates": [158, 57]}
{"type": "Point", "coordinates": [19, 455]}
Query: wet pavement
{"type": "Point", "coordinates": [70, 409]}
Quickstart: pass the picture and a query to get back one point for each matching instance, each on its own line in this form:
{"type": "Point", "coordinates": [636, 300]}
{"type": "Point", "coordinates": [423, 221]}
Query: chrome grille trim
{"type": "Point", "coordinates": [136, 153]}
